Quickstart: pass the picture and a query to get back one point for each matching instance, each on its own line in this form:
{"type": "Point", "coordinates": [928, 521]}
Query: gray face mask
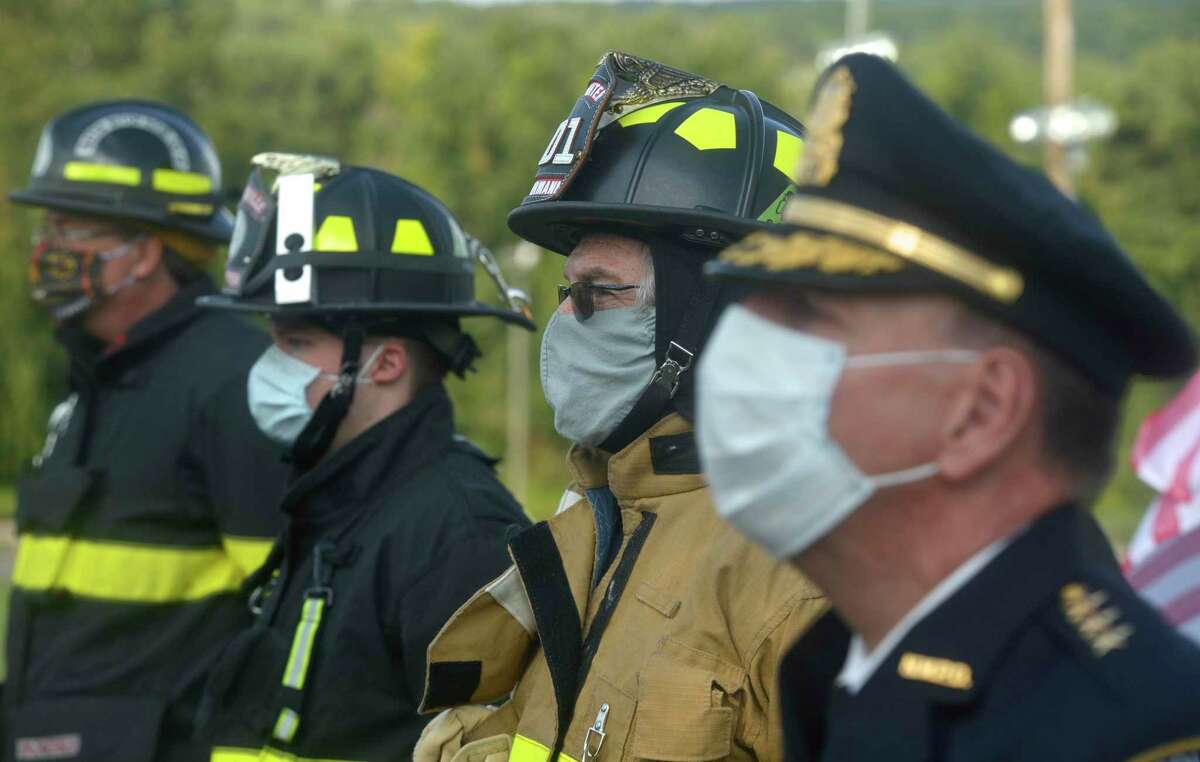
{"type": "Point", "coordinates": [594, 371]}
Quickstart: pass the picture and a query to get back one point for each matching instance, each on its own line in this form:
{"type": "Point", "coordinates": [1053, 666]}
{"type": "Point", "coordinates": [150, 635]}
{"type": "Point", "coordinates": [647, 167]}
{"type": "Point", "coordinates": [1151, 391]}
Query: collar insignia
{"type": "Point", "coordinates": [829, 112]}
{"type": "Point", "coordinates": [1099, 627]}
{"type": "Point", "coordinates": [936, 671]}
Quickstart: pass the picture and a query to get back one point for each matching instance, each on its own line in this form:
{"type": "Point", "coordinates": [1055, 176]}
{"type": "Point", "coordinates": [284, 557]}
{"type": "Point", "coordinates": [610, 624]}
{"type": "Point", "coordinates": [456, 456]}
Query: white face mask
{"type": "Point", "coordinates": [764, 393]}
{"type": "Point", "coordinates": [276, 391]}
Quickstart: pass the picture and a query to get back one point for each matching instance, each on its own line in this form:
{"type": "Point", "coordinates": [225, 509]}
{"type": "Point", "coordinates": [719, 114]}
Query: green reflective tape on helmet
{"type": "Point", "coordinates": [788, 149]}
{"type": "Point", "coordinates": [649, 114]}
{"type": "Point", "coordinates": [186, 183]}
{"type": "Point", "coordinates": [336, 234]}
{"type": "Point", "coordinates": [411, 238]}
{"type": "Point", "coordinates": [709, 129]}
{"type": "Point", "coordinates": [286, 726]}
{"type": "Point", "coordinates": [190, 207]}
{"type": "Point", "coordinates": [86, 172]}
{"type": "Point", "coordinates": [774, 210]}
{"type": "Point", "coordinates": [302, 643]}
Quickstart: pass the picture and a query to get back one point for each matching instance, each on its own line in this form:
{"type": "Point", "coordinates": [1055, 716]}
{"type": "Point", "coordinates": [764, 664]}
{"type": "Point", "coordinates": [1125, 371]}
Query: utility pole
{"type": "Point", "coordinates": [525, 257]}
{"type": "Point", "coordinates": [858, 18]}
{"type": "Point", "coordinates": [1058, 54]}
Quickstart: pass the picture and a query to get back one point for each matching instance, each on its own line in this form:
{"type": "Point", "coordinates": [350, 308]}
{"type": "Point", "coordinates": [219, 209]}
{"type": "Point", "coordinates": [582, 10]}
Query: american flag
{"type": "Point", "coordinates": [1164, 556]}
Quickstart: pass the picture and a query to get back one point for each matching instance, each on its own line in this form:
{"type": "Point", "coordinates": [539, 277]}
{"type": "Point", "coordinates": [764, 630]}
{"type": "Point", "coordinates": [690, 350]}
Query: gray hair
{"type": "Point", "coordinates": [645, 289]}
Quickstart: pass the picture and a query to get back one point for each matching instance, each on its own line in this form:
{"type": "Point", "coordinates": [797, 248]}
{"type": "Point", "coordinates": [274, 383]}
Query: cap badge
{"type": "Point", "coordinates": [829, 112]}
{"type": "Point", "coordinates": [652, 81]}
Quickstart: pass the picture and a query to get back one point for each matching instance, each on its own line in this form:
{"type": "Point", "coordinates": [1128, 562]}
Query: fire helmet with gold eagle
{"type": "Point", "coordinates": [681, 162]}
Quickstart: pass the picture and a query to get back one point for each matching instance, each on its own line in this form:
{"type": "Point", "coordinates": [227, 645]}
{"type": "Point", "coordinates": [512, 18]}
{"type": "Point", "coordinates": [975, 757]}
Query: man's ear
{"type": "Point", "coordinates": [150, 257]}
{"type": "Point", "coordinates": [989, 412]}
{"type": "Point", "coordinates": [392, 363]}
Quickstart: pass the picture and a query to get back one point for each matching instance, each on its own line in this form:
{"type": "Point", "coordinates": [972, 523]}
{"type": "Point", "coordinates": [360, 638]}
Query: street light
{"type": "Point", "coordinates": [876, 44]}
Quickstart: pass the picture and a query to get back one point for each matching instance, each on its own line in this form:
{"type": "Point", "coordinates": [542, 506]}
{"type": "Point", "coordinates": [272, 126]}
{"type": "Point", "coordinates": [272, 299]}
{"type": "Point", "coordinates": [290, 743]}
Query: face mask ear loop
{"type": "Point", "coordinates": [905, 476]}
{"type": "Point", "coordinates": [362, 377]}
{"type": "Point", "coordinates": [318, 434]}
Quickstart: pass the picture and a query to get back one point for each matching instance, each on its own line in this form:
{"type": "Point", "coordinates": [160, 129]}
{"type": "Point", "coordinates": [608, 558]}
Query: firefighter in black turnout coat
{"type": "Point", "coordinates": [154, 496]}
{"type": "Point", "coordinates": [394, 520]}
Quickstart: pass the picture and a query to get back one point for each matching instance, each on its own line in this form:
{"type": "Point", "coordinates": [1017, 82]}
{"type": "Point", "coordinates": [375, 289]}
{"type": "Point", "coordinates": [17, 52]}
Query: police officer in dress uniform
{"type": "Point", "coordinates": [915, 404]}
{"type": "Point", "coordinates": [394, 520]}
{"type": "Point", "coordinates": [155, 495]}
{"type": "Point", "coordinates": [634, 624]}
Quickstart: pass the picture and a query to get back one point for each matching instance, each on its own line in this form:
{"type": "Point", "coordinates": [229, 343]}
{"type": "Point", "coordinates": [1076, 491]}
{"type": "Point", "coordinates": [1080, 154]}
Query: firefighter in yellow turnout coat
{"type": "Point", "coordinates": [633, 624]}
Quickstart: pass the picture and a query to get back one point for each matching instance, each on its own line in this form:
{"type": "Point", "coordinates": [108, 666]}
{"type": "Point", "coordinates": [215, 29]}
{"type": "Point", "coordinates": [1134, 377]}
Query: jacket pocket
{"type": "Point", "coordinates": [685, 712]}
{"type": "Point", "coordinates": [46, 501]}
{"type": "Point", "coordinates": [87, 729]}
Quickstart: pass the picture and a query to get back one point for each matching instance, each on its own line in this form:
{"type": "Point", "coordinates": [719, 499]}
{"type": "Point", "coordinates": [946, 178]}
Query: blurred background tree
{"type": "Point", "coordinates": [462, 99]}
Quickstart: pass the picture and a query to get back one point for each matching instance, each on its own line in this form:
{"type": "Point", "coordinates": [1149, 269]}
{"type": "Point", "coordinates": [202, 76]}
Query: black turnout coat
{"type": "Point", "coordinates": [388, 536]}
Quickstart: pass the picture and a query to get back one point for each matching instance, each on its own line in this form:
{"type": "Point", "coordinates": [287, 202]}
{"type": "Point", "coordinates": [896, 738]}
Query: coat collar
{"type": "Point", "coordinates": [389, 451]}
{"type": "Point", "coordinates": [660, 462]}
{"type": "Point", "coordinates": [88, 358]}
{"type": "Point", "coordinates": [949, 655]}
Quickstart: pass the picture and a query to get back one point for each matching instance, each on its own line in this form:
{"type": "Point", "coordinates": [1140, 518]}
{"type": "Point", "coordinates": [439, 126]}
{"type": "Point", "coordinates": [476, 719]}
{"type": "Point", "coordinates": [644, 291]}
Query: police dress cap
{"type": "Point", "coordinates": [650, 150]}
{"type": "Point", "coordinates": [327, 239]}
{"type": "Point", "coordinates": [130, 159]}
{"type": "Point", "coordinates": [896, 196]}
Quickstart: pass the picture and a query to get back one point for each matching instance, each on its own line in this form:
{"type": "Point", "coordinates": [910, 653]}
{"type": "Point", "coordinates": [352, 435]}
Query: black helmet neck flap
{"type": "Point", "coordinates": [688, 165]}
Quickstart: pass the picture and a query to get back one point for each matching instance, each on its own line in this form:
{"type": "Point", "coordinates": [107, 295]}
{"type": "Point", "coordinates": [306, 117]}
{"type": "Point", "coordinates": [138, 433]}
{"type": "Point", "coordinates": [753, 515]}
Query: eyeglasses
{"type": "Point", "coordinates": [583, 296]}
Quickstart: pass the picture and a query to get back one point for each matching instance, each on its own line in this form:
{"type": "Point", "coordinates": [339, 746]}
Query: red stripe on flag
{"type": "Point", "coordinates": [1183, 608]}
{"type": "Point", "coordinates": [1165, 558]}
{"type": "Point", "coordinates": [1158, 423]}
{"type": "Point", "coordinates": [1166, 519]}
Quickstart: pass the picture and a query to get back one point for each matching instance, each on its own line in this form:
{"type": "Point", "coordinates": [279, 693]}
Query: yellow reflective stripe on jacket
{"type": "Point", "coordinates": [528, 750]}
{"type": "Point", "coordinates": [302, 643]}
{"type": "Point", "coordinates": [265, 754]}
{"type": "Point", "coordinates": [120, 571]}
{"type": "Point", "coordinates": [248, 553]}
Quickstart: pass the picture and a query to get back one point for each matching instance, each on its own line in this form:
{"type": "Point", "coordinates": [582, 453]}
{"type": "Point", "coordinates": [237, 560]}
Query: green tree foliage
{"type": "Point", "coordinates": [462, 100]}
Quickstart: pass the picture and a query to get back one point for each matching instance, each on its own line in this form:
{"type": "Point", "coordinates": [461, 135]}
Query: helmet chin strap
{"type": "Point", "coordinates": [316, 437]}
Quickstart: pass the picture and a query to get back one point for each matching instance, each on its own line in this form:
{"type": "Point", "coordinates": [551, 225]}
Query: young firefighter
{"type": "Point", "coordinates": [394, 519]}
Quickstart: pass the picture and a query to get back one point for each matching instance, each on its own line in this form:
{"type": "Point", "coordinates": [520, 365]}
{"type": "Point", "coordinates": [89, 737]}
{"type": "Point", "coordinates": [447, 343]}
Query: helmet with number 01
{"type": "Point", "coordinates": [130, 160]}
{"type": "Point", "coordinates": [652, 150]}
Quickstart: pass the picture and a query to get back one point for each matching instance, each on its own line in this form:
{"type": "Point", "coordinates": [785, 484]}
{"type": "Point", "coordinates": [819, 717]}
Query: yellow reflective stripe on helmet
{"type": "Point", "coordinates": [85, 172]}
{"type": "Point", "coordinates": [302, 643]}
{"type": "Point", "coordinates": [528, 750]}
{"type": "Point", "coordinates": [186, 183]}
{"type": "Point", "coordinates": [231, 754]}
{"type": "Point", "coordinates": [708, 129]}
{"type": "Point", "coordinates": [248, 553]}
{"type": "Point", "coordinates": [788, 149]}
{"type": "Point", "coordinates": [286, 726]}
{"type": "Point", "coordinates": [411, 238]}
{"type": "Point", "coordinates": [190, 207]}
{"type": "Point", "coordinates": [265, 754]}
{"type": "Point", "coordinates": [118, 571]}
{"type": "Point", "coordinates": [336, 234]}
{"type": "Point", "coordinates": [649, 114]}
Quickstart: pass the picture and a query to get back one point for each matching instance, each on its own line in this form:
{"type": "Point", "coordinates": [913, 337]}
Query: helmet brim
{"type": "Point", "coordinates": [559, 225]}
{"type": "Point", "coordinates": [218, 228]}
{"type": "Point", "coordinates": [389, 309]}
